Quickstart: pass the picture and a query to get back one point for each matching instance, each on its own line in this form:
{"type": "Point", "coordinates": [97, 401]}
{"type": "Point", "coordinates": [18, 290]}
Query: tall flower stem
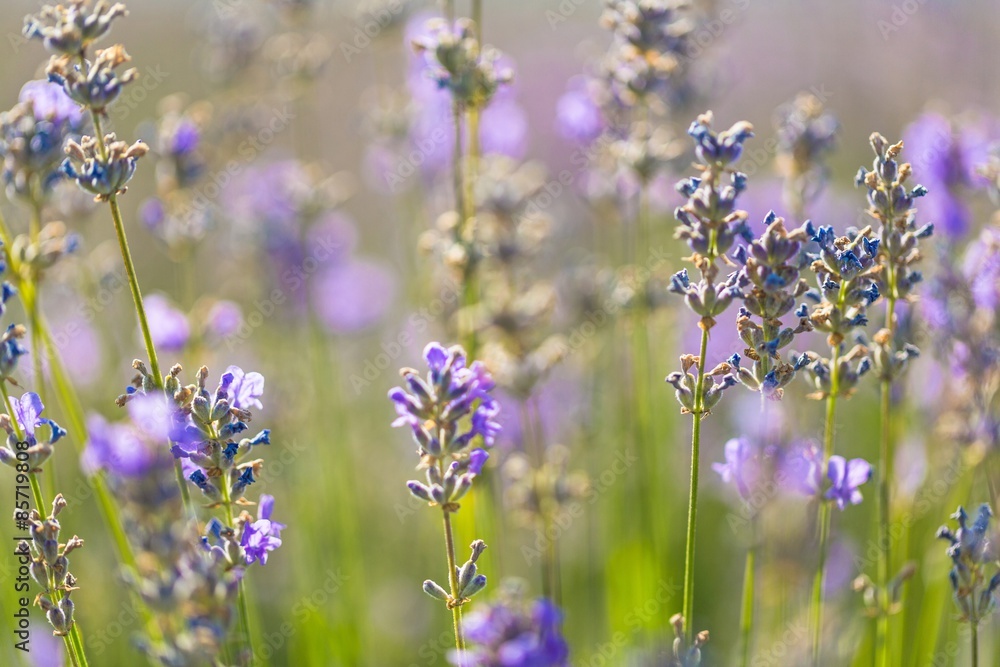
{"type": "Point", "coordinates": [456, 609]}
{"type": "Point", "coordinates": [746, 615]}
{"type": "Point", "coordinates": [975, 644]}
{"type": "Point", "coordinates": [133, 284]}
{"type": "Point", "coordinates": [241, 598]}
{"type": "Point", "coordinates": [884, 512]}
{"type": "Point", "coordinates": [693, 497]}
{"type": "Point", "coordinates": [824, 507]}
{"type": "Point", "coordinates": [72, 641]}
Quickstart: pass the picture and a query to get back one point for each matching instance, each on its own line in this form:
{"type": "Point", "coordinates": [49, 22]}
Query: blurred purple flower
{"type": "Point", "coordinates": [742, 467]}
{"type": "Point", "coordinates": [224, 319]}
{"type": "Point", "coordinates": [945, 157]}
{"type": "Point", "coordinates": [185, 137]}
{"type": "Point", "coordinates": [846, 476]}
{"type": "Point", "coordinates": [578, 117]}
{"type": "Point", "coordinates": [263, 535]}
{"type": "Point", "coordinates": [802, 469]}
{"type": "Point", "coordinates": [507, 635]}
{"type": "Point", "coordinates": [132, 448]}
{"type": "Point", "coordinates": [353, 296]}
{"type": "Point", "coordinates": [168, 326]}
{"type": "Point", "coordinates": [50, 102]}
{"type": "Point", "coordinates": [46, 648]}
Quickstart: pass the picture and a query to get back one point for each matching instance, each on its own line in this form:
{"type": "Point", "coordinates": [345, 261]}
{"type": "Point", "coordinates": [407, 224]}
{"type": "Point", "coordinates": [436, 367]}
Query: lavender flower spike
{"type": "Point", "coordinates": [447, 412]}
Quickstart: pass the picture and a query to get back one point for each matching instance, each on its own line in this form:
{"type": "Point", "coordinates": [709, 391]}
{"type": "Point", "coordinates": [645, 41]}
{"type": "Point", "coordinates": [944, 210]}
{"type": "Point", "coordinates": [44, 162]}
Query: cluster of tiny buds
{"type": "Point", "coordinates": [69, 29]}
{"type": "Point", "coordinates": [686, 384]}
{"type": "Point", "coordinates": [972, 550]}
{"type": "Point", "coordinates": [469, 581]}
{"type": "Point", "coordinates": [10, 342]}
{"type": "Point", "coordinates": [850, 368]}
{"type": "Point", "coordinates": [97, 86]}
{"type": "Point", "coordinates": [458, 63]}
{"type": "Point", "coordinates": [685, 655]}
{"type": "Point", "coordinates": [847, 274]}
{"type": "Point", "coordinates": [650, 46]}
{"type": "Point", "coordinates": [49, 566]}
{"type": "Point", "coordinates": [893, 206]}
{"type": "Point", "coordinates": [106, 172]}
{"type": "Point", "coordinates": [771, 268]}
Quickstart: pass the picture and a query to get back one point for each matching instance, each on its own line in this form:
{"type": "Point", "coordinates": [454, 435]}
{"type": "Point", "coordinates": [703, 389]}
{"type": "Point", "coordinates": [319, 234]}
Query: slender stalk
{"type": "Point", "coordinates": [824, 509]}
{"type": "Point", "coordinates": [133, 284]}
{"type": "Point", "coordinates": [241, 597]}
{"type": "Point", "coordinates": [470, 283]}
{"type": "Point", "coordinates": [456, 609]}
{"type": "Point", "coordinates": [746, 617]}
{"type": "Point", "coordinates": [884, 511]}
{"type": "Point", "coordinates": [975, 644]}
{"type": "Point", "coordinates": [693, 497]}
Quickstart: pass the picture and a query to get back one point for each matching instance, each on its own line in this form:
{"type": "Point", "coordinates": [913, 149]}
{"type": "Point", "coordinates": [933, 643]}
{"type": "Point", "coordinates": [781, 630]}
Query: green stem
{"type": "Point", "coordinates": [456, 609]}
{"type": "Point", "coordinates": [746, 617]}
{"type": "Point", "coordinates": [884, 511]}
{"type": "Point", "coordinates": [693, 497]}
{"type": "Point", "coordinates": [241, 596]}
{"type": "Point", "coordinates": [36, 491]}
{"type": "Point", "coordinates": [133, 284]}
{"type": "Point", "coordinates": [77, 641]}
{"type": "Point", "coordinates": [975, 644]}
{"type": "Point", "coordinates": [71, 651]}
{"type": "Point", "coordinates": [824, 510]}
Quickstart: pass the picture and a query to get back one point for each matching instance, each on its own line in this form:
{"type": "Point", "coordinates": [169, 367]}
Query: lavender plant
{"type": "Point", "coordinates": [973, 555]}
{"type": "Point", "coordinates": [847, 277]}
{"type": "Point", "coordinates": [709, 223]}
{"type": "Point", "coordinates": [514, 633]}
{"type": "Point", "coordinates": [893, 207]}
{"type": "Point", "coordinates": [50, 570]}
{"type": "Point", "coordinates": [457, 62]}
{"type": "Point", "coordinates": [806, 134]}
{"type": "Point", "coordinates": [771, 272]}
{"type": "Point", "coordinates": [448, 413]}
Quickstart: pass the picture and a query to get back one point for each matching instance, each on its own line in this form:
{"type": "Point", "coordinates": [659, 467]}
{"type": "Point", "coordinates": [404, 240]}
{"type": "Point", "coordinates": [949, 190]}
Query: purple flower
{"type": "Point", "coordinates": [132, 448]}
{"type": "Point", "coordinates": [185, 138]}
{"type": "Point", "coordinates": [263, 535]}
{"type": "Point", "coordinates": [27, 411]}
{"type": "Point", "coordinates": [578, 117]}
{"type": "Point", "coordinates": [446, 411]}
{"type": "Point", "coordinates": [245, 389]}
{"type": "Point", "coordinates": [224, 319]}
{"type": "Point", "coordinates": [741, 467]}
{"type": "Point", "coordinates": [50, 102]}
{"type": "Point", "coordinates": [168, 326]}
{"type": "Point", "coordinates": [512, 635]}
{"type": "Point", "coordinates": [354, 296]}
{"type": "Point", "coordinates": [945, 156]}
{"type": "Point", "coordinates": [802, 469]}
{"type": "Point", "coordinates": [846, 476]}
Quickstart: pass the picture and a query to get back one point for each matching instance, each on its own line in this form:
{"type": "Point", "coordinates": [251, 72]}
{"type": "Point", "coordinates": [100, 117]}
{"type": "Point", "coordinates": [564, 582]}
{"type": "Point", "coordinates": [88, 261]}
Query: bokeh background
{"type": "Point", "coordinates": [345, 587]}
